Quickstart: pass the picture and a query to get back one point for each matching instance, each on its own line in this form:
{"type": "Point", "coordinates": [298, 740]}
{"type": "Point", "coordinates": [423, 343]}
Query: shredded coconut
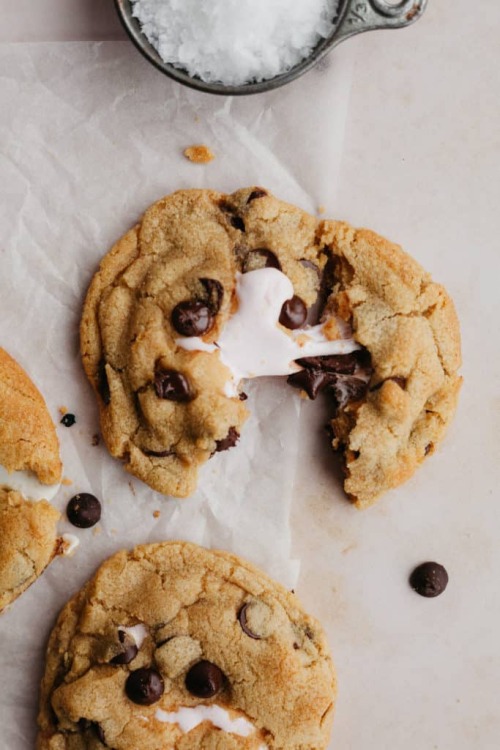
{"type": "Point", "coordinates": [235, 41]}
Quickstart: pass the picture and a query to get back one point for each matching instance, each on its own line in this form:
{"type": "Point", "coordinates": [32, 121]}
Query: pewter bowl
{"type": "Point", "coordinates": [353, 17]}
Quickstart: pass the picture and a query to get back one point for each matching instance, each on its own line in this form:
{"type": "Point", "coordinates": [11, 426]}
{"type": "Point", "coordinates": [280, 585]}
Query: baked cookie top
{"type": "Point", "coordinates": [156, 320]}
{"type": "Point", "coordinates": [28, 440]}
{"type": "Point", "coordinates": [175, 646]}
{"type": "Point", "coordinates": [28, 533]}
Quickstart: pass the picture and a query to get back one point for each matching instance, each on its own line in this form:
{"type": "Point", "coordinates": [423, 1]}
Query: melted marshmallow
{"type": "Point", "coordinates": [71, 542]}
{"type": "Point", "coordinates": [138, 633]}
{"type": "Point", "coordinates": [189, 718]}
{"type": "Point", "coordinates": [26, 482]}
{"type": "Point", "coordinates": [252, 343]}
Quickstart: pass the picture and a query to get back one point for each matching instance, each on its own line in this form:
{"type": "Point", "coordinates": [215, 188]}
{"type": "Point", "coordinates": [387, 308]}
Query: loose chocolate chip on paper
{"type": "Point", "coordinates": [84, 510]}
{"type": "Point", "coordinates": [144, 686]}
{"type": "Point", "coordinates": [172, 386]}
{"type": "Point", "coordinates": [192, 318]}
{"type": "Point", "coordinates": [68, 420]}
{"type": "Point", "coordinates": [229, 441]}
{"type": "Point", "coordinates": [215, 293]}
{"type": "Point", "coordinates": [204, 679]}
{"type": "Point", "coordinates": [293, 313]}
{"type": "Point", "coordinates": [429, 579]}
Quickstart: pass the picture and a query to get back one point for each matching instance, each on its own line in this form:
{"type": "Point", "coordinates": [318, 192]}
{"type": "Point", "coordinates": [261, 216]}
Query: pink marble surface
{"type": "Point", "coordinates": [58, 20]}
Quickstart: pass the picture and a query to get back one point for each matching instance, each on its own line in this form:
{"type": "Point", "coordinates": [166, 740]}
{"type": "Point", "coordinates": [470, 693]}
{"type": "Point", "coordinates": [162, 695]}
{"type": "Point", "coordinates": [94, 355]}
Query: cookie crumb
{"type": "Point", "coordinates": [156, 514]}
{"type": "Point", "coordinates": [132, 488]}
{"type": "Point", "coordinates": [321, 210]}
{"type": "Point", "coordinates": [63, 410]}
{"type": "Point", "coordinates": [66, 481]}
{"type": "Point", "coordinates": [199, 154]}
{"type": "Point", "coordinates": [96, 439]}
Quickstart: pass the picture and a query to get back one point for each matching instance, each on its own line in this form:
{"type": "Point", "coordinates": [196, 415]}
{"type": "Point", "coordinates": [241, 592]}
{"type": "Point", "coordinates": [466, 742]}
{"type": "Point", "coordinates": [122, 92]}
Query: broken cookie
{"type": "Point", "coordinates": [210, 289]}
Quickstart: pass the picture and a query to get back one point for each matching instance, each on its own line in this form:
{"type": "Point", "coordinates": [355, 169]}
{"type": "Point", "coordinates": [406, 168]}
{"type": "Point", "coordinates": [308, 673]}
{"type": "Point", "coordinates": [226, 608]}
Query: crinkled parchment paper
{"type": "Point", "coordinates": [90, 135]}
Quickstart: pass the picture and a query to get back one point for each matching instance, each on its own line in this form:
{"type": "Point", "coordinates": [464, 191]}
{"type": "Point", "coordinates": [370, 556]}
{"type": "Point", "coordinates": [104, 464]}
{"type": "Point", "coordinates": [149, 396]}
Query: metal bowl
{"type": "Point", "coordinates": [353, 17]}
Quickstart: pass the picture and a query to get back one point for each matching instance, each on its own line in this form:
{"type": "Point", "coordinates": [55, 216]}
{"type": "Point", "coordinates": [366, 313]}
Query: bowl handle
{"type": "Point", "coordinates": [366, 15]}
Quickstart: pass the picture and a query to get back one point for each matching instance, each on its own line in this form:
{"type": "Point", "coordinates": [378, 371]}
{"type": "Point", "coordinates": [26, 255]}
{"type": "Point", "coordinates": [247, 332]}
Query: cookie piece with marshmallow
{"type": "Point", "coordinates": [30, 475]}
{"type": "Point", "coordinates": [175, 647]}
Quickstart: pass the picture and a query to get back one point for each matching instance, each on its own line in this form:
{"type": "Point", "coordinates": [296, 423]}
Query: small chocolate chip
{"type": "Point", "coordinates": [192, 318]}
{"type": "Point", "coordinates": [204, 679]}
{"type": "Point", "coordinates": [293, 313]}
{"type": "Point", "coordinates": [342, 364]}
{"type": "Point", "coordinates": [429, 579]}
{"type": "Point", "coordinates": [103, 383]}
{"type": "Point", "coordinates": [173, 386]}
{"type": "Point", "coordinates": [129, 652]}
{"type": "Point", "coordinates": [238, 223]}
{"type": "Point", "coordinates": [260, 258]}
{"type": "Point", "coordinates": [243, 396]}
{"type": "Point", "coordinates": [429, 448]}
{"type": "Point", "coordinates": [242, 619]}
{"type": "Point", "coordinates": [84, 510]}
{"type": "Point", "coordinates": [144, 686]}
{"type": "Point", "coordinates": [257, 193]}
{"type": "Point", "coordinates": [310, 381]}
{"type": "Point", "coordinates": [68, 420]}
{"type": "Point", "coordinates": [229, 441]}
{"type": "Point", "coordinates": [215, 294]}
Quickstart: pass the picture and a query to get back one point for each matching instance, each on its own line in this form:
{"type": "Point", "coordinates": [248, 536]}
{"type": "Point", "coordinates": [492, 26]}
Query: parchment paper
{"type": "Point", "coordinates": [90, 135]}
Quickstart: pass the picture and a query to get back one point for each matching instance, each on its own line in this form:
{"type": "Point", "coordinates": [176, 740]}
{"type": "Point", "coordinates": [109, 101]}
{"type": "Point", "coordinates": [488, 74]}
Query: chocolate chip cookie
{"type": "Point", "coordinates": [210, 289]}
{"type": "Point", "coordinates": [30, 469]}
{"type": "Point", "coordinates": [175, 646]}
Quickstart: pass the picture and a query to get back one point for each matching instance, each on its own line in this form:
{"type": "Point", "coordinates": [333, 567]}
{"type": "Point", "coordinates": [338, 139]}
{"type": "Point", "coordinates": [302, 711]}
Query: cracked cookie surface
{"type": "Point", "coordinates": [165, 409]}
{"type": "Point", "coordinates": [28, 449]}
{"type": "Point", "coordinates": [172, 646]}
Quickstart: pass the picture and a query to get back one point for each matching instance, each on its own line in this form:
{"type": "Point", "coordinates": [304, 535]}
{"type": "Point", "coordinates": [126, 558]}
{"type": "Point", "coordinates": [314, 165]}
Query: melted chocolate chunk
{"type": "Point", "coordinates": [204, 679]}
{"type": "Point", "coordinates": [85, 725]}
{"type": "Point", "coordinates": [173, 386]}
{"type": "Point", "coordinates": [257, 193]}
{"type": "Point", "coordinates": [341, 364]}
{"type": "Point", "coordinates": [260, 258]}
{"type": "Point", "coordinates": [346, 388]}
{"type": "Point", "coordinates": [215, 293]}
{"type": "Point", "coordinates": [192, 318]}
{"type": "Point", "coordinates": [68, 420]}
{"type": "Point", "coordinates": [242, 619]}
{"type": "Point", "coordinates": [130, 650]}
{"type": "Point", "coordinates": [103, 383]}
{"type": "Point", "coordinates": [429, 579]}
{"type": "Point", "coordinates": [229, 441]}
{"type": "Point", "coordinates": [293, 313]}
{"type": "Point", "coordinates": [238, 223]}
{"type": "Point", "coordinates": [310, 381]}
{"type": "Point", "coordinates": [144, 686]}
{"type": "Point", "coordinates": [84, 510]}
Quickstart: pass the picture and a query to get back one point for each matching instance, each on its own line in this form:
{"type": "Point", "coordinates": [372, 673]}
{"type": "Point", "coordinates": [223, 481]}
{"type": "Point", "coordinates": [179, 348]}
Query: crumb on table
{"type": "Point", "coordinates": [156, 514]}
{"type": "Point", "coordinates": [96, 439]}
{"type": "Point", "coordinates": [63, 410]}
{"type": "Point", "coordinates": [199, 154]}
{"type": "Point", "coordinates": [66, 481]}
{"type": "Point", "coordinates": [321, 209]}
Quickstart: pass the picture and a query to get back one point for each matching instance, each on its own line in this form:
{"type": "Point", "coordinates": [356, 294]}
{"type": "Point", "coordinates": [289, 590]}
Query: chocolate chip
{"type": "Point", "coordinates": [85, 725]}
{"type": "Point", "coordinates": [238, 223]}
{"type": "Point", "coordinates": [257, 193]}
{"type": "Point", "coordinates": [173, 386]}
{"type": "Point", "coordinates": [103, 383]}
{"type": "Point", "coordinates": [215, 293]}
{"type": "Point", "coordinates": [310, 381]}
{"type": "Point", "coordinates": [243, 396]}
{"type": "Point", "coordinates": [204, 679]}
{"type": "Point", "coordinates": [293, 313]}
{"type": "Point", "coordinates": [192, 318]}
{"type": "Point", "coordinates": [129, 652]}
{"type": "Point", "coordinates": [144, 686]}
{"type": "Point", "coordinates": [429, 448]}
{"type": "Point", "coordinates": [84, 510]}
{"type": "Point", "coordinates": [342, 364]}
{"type": "Point", "coordinates": [68, 420]}
{"type": "Point", "coordinates": [429, 579]}
{"type": "Point", "coordinates": [260, 258]}
{"type": "Point", "coordinates": [229, 441]}
{"type": "Point", "coordinates": [242, 618]}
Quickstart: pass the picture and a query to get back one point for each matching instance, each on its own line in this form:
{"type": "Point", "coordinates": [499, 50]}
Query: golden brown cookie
{"type": "Point", "coordinates": [165, 405]}
{"type": "Point", "coordinates": [175, 647]}
{"type": "Point", "coordinates": [30, 469]}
